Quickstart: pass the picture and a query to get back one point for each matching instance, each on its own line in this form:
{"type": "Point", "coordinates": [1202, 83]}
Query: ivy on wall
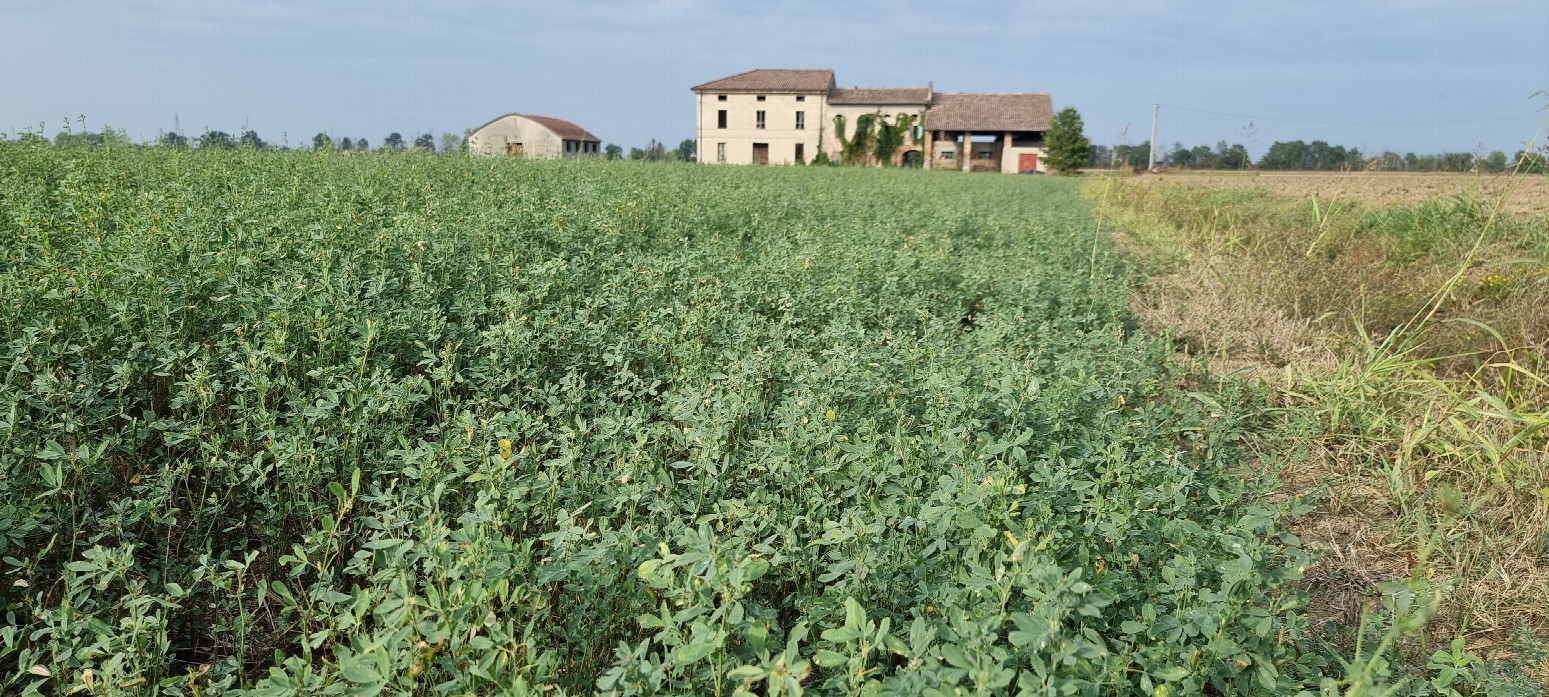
{"type": "Point", "coordinates": [890, 137]}
{"type": "Point", "coordinates": [874, 136]}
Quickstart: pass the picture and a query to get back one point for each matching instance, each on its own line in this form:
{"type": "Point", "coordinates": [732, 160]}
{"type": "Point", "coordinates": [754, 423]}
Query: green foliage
{"type": "Point", "coordinates": [652, 152]}
{"type": "Point", "coordinates": [322, 141]}
{"type": "Point", "coordinates": [393, 142]}
{"type": "Point", "coordinates": [169, 139]}
{"type": "Point", "coordinates": [891, 136]}
{"type": "Point", "coordinates": [1224, 156]}
{"type": "Point", "coordinates": [875, 140]}
{"type": "Point", "coordinates": [107, 136]}
{"type": "Point", "coordinates": [215, 139]}
{"type": "Point", "coordinates": [686, 151]}
{"type": "Point", "coordinates": [1316, 155]}
{"type": "Point", "coordinates": [1066, 147]}
{"type": "Point", "coordinates": [1532, 162]}
{"type": "Point", "coordinates": [282, 424]}
{"type": "Point", "coordinates": [853, 149]}
{"type": "Point", "coordinates": [425, 142]}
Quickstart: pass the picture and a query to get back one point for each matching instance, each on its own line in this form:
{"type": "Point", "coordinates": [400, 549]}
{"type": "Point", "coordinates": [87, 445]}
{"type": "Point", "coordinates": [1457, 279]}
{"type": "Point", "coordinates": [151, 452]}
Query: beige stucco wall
{"type": "Point", "coordinates": [741, 130]}
{"type": "Point", "coordinates": [1008, 161]}
{"type": "Point", "coordinates": [536, 139]}
{"type": "Point", "coordinates": [780, 132]}
{"type": "Point", "coordinates": [852, 111]}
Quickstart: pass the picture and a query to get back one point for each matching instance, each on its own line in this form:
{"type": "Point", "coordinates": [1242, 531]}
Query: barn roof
{"type": "Point", "coordinates": [880, 95]}
{"type": "Point", "coordinates": [772, 80]}
{"type": "Point", "coordinates": [566, 130]}
{"type": "Point", "coordinates": [990, 111]}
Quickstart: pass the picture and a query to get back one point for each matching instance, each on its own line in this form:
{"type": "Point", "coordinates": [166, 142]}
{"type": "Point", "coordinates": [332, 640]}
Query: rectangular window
{"type": "Point", "coordinates": [801, 120]}
{"type": "Point", "coordinates": [801, 98]}
{"type": "Point", "coordinates": [720, 119]}
{"type": "Point", "coordinates": [720, 98]}
{"type": "Point", "coordinates": [801, 152]}
{"type": "Point", "coordinates": [720, 152]}
{"type": "Point", "coordinates": [761, 98]}
{"type": "Point", "coordinates": [947, 154]}
{"type": "Point", "coordinates": [760, 121]}
{"type": "Point", "coordinates": [986, 155]}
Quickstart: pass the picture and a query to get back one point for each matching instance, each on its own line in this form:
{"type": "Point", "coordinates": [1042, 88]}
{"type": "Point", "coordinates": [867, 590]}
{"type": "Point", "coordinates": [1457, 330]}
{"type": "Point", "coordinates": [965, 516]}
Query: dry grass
{"type": "Point", "coordinates": [1405, 348]}
{"type": "Point", "coordinates": [1526, 194]}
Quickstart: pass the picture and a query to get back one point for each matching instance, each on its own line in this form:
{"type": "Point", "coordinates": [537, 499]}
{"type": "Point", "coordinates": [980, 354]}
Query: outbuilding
{"type": "Point", "coordinates": [531, 136]}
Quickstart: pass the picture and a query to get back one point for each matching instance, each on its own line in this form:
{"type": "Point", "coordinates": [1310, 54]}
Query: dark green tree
{"type": "Point", "coordinates": [1182, 157]}
{"type": "Point", "coordinates": [653, 152]}
{"type": "Point", "coordinates": [1234, 156]}
{"type": "Point", "coordinates": [1066, 147]}
{"type": "Point", "coordinates": [1494, 162]}
{"type": "Point", "coordinates": [172, 140]}
{"type": "Point", "coordinates": [216, 139]}
{"type": "Point", "coordinates": [425, 142]}
{"type": "Point", "coordinates": [393, 142]}
{"type": "Point", "coordinates": [346, 144]}
{"type": "Point", "coordinates": [613, 152]}
{"type": "Point", "coordinates": [362, 144]}
{"type": "Point", "coordinates": [322, 141]}
{"type": "Point", "coordinates": [686, 150]}
{"type": "Point", "coordinates": [250, 139]}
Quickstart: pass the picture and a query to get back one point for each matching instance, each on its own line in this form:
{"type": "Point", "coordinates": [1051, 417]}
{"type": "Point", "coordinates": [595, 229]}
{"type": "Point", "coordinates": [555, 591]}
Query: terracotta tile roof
{"type": "Point", "coordinates": [564, 129]}
{"type": "Point", "coordinates": [772, 80]}
{"type": "Point", "coordinates": [880, 95]}
{"type": "Point", "coordinates": [990, 112]}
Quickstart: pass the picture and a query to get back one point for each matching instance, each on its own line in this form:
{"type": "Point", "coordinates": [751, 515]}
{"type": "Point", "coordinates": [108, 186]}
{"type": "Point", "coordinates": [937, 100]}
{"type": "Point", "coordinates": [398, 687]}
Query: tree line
{"type": "Point", "coordinates": [1314, 156]}
{"type": "Point", "coordinates": [394, 142]}
{"type": "Point", "coordinates": [246, 138]}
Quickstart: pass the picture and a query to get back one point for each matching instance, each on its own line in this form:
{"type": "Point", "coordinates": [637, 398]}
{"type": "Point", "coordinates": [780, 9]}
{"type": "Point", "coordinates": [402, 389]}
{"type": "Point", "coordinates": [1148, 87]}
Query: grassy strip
{"type": "Point", "coordinates": [1405, 350]}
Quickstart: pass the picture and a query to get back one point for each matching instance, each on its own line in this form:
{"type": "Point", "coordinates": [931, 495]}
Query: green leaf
{"type": "Point", "coordinates": [828, 659]}
{"type": "Point", "coordinates": [356, 670]}
{"type": "Point", "coordinates": [689, 653]}
{"type": "Point", "coordinates": [1172, 673]}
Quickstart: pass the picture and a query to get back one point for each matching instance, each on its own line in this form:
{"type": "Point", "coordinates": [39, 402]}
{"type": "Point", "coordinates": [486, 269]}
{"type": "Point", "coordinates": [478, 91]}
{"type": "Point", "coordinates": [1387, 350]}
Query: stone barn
{"type": "Point", "coordinates": [530, 136]}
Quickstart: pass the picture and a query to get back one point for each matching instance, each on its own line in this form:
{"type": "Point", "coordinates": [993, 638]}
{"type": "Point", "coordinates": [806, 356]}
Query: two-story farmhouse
{"type": "Point", "coordinates": [782, 116]}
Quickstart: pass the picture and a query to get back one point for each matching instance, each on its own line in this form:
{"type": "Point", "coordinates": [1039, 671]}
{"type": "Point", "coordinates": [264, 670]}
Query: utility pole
{"type": "Point", "coordinates": [1151, 166]}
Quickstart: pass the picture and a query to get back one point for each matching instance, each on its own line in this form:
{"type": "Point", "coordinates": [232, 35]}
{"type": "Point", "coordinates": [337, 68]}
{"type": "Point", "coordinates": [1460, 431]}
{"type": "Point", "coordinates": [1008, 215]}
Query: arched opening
{"type": "Point", "coordinates": [911, 159]}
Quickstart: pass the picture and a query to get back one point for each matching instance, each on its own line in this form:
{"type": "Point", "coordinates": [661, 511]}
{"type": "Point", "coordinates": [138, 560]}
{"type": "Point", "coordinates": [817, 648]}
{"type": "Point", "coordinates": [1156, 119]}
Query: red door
{"type": "Point", "coordinates": [1027, 162]}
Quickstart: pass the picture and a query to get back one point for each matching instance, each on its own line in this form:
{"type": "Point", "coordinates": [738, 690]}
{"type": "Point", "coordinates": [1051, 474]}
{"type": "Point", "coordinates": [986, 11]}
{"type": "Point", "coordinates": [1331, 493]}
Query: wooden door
{"type": "Point", "coordinates": [1027, 162]}
{"type": "Point", "coordinates": [760, 153]}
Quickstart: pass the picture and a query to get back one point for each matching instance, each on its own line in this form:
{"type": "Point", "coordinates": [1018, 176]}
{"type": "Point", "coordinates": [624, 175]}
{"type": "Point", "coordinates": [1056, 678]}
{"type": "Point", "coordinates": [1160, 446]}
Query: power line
{"type": "Point", "coordinates": [1446, 122]}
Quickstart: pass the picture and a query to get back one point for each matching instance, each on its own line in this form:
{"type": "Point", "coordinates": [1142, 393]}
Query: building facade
{"type": "Point", "coordinates": [538, 137]}
{"type": "Point", "coordinates": [785, 116]}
